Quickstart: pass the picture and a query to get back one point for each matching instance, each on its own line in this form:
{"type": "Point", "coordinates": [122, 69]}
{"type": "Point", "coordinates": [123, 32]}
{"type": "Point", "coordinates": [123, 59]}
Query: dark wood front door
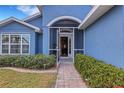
{"type": "Point", "coordinates": [64, 46]}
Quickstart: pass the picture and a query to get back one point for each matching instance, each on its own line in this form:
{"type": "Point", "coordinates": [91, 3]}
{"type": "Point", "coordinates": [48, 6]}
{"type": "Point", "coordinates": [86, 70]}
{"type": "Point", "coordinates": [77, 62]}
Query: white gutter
{"type": "Point", "coordinates": [40, 8]}
{"type": "Point", "coordinates": [94, 14]}
{"type": "Point", "coordinates": [32, 16]}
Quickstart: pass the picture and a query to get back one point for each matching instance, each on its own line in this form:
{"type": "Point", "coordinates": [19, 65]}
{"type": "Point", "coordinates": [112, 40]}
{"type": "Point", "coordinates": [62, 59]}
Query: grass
{"type": "Point", "coordinates": [13, 79]}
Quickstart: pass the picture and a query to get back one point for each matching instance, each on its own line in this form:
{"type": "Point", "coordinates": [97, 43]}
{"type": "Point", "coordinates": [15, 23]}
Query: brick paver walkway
{"type": "Point", "coordinates": [68, 77]}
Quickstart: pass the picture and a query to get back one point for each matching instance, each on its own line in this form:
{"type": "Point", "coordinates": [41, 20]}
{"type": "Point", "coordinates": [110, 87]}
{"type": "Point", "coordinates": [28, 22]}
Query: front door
{"type": "Point", "coordinates": [64, 46]}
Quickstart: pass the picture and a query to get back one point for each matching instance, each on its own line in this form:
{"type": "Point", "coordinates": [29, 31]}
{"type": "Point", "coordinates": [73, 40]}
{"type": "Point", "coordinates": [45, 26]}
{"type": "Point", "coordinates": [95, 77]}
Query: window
{"type": "Point", "coordinates": [5, 48]}
{"type": "Point", "coordinates": [15, 39]}
{"type": "Point", "coordinates": [15, 43]}
{"type": "Point", "coordinates": [25, 44]}
{"type": "Point", "coordinates": [5, 43]}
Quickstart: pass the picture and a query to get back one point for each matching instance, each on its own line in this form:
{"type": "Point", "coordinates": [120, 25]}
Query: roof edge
{"type": "Point", "coordinates": [94, 14]}
{"type": "Point", "coordinates": [40, 8]}
{"type": "Point", "coordinates": [3, 22]}
{"type": "Point", "coordinates": [32, 16]}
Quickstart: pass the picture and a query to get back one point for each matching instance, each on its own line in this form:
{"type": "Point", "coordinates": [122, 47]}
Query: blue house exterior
{"type": "Point", "coordinates": [105, 37]}
{"type": "Point", "coordinates": [64, 30]}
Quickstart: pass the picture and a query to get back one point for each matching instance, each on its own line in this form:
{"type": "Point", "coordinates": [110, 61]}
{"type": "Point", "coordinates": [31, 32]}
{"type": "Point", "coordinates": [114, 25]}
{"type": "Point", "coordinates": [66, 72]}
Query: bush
{"type": "Point", "coordinates": [97, 73]}
{"type": "Point", "coordinates": [38, 61]}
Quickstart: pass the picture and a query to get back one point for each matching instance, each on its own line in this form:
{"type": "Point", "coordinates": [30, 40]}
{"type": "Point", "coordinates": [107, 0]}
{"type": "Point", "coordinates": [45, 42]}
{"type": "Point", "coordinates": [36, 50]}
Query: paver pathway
{"type": "Point", "coordinates": [68, 77]}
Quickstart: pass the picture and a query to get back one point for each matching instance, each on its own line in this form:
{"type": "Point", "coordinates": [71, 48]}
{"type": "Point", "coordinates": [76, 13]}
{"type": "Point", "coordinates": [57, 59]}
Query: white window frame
{"type": "Point", "coordinates": [20, 34]}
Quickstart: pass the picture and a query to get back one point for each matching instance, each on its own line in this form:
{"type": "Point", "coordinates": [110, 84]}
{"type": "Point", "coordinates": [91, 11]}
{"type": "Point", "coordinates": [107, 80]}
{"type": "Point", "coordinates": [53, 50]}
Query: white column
{"type": "Point", "coordinates": [73, 44]}
{"type": "Point", "coordinates": [84, 41]}
{"type": "Point", "coordinates": [57, 45]}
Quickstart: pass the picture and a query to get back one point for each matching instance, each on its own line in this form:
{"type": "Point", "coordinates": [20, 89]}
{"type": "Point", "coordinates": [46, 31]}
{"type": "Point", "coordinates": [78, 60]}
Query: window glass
{"type": "Point", "coordinates": [15, 46]}
{"type": "Point", "coordinates": [25, 48]}
{"type": "Point", "coordinates": [5, 38]}
{"type": "Point", "coordinates": [15, 49]}
{"type": "Point", "coordinates": [5, 48]}
{"type": "Point", "coordinates": [15, 39]}
{"type": "Point", "coordinates": [25, 39]}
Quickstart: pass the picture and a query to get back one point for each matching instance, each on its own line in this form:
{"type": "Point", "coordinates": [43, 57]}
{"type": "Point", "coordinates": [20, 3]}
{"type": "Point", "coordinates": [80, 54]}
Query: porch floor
{"type": "Point", "coordinates": [68, 77]}
{"type": "Point", "coordinates": [65, 60]}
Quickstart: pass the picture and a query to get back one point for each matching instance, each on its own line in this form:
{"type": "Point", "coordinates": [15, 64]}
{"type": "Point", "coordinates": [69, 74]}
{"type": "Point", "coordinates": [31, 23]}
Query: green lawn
{"type": "Point", "coordinates": [13, 79]}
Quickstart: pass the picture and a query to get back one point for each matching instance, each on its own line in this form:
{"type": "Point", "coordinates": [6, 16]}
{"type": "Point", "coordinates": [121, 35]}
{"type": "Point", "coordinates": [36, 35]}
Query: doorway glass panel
{"type": "Point", "coordinates": [53, 38]}
{"type": "Point", "coordinates": [64, 46]}
{"type": "Point", "coordinates": [78, 41]}
{"type": "Point", "coordinates": [69, 45]}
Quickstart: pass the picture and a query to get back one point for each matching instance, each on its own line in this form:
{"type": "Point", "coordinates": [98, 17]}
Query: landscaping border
{"type": "Point", "coordinates": [98, 74]}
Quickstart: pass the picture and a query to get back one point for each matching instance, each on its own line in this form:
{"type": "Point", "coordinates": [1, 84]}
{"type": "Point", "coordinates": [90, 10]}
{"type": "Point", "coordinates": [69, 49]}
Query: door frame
{"type": "Point", "coordinates": [67, 46]}
{"type": "Point", "coordinates": [69, 37]}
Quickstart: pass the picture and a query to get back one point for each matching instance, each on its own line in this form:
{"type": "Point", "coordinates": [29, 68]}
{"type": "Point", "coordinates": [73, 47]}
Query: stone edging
{"type": "Point", "coordinates": [29, 70]}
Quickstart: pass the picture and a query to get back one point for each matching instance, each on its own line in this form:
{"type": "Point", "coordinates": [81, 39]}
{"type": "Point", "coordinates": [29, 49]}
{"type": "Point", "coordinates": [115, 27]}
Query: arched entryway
{"type": "Point", "coordinates": [65, 39]}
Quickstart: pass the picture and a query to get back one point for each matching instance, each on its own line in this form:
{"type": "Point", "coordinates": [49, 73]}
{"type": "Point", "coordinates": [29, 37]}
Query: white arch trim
{"type": "Point", "coordinates": [63, 17]}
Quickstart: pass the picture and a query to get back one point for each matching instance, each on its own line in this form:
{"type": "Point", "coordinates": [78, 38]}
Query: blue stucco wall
{"type": "Point", "coordinates": [36, 21]}
{"type": "Point", "coordinates": [39, 43]}
{"type": "Point", "coordinates": [15, 27]}
{"type": "Point", "coordinates": [51, 12]}
{"type": "Point", "coordinates": [39, 37]}
{"type": "Point", "coordinates": [105, 38]}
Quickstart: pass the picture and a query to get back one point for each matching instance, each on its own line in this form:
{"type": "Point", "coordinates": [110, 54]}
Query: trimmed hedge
{"type": "Point", "coordinates": [98, 74]}
{"type": "Point", "coordinates": [38, 61]}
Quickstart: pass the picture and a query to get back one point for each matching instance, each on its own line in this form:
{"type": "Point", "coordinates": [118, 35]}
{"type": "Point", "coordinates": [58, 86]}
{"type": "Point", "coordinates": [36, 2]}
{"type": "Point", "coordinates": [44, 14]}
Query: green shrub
{"type": "Point", "coordinates": [97, 73]}
{"type": "Point", "coordinates": [38, 61]}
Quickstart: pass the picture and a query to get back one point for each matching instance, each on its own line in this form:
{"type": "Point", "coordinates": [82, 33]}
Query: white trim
{"type": "Point", "coordinates": [40, 8]}
{"type": "Point", "coordinates": [73, 43]}
{"type": "Point", "coordinates": [57, 32]}
{"type": "Point", "coordinates": [15, 44]}
{"type": "Point", "coordinates": [63, 17]}
{"type": "Point", "coordinates": [60, 44]}
{"type": "Point", "coordinates": [48, 40]}
{"type": "Point", "coordinates": [68, 46]}
{"type": "Point", "coordinates": [66, 34]}
{"type": "Point", "coordinates": [69, 36]}
{"type": "Point", "coordinates": [78, 49]}
{"type": "Point", "coordinates": [96, 12]}
{"type": "Point", "coordinates": [4, 22]}
{"type": "Point", "coordinates": [84, 41]}
{"type": "Point", "coordinates": [52, 49]}
{"type": "Point", "coordinates": [14, 32]}
{"type": "Point", "coordinates": [62, 27]}
{"type": "Point", "coordinates": [32, 16]}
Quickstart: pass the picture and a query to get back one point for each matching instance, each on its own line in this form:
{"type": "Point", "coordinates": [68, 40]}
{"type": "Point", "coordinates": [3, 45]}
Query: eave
{"type": "Point", "coordinates": [11, 19]}
{"type": "Point", "coordinates": [94, 14]}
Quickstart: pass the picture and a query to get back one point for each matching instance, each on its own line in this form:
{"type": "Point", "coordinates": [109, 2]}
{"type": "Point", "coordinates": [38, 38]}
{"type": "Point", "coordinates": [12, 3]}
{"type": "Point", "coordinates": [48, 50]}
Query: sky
{"type": "Point", "coordinates": [18, 11]}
